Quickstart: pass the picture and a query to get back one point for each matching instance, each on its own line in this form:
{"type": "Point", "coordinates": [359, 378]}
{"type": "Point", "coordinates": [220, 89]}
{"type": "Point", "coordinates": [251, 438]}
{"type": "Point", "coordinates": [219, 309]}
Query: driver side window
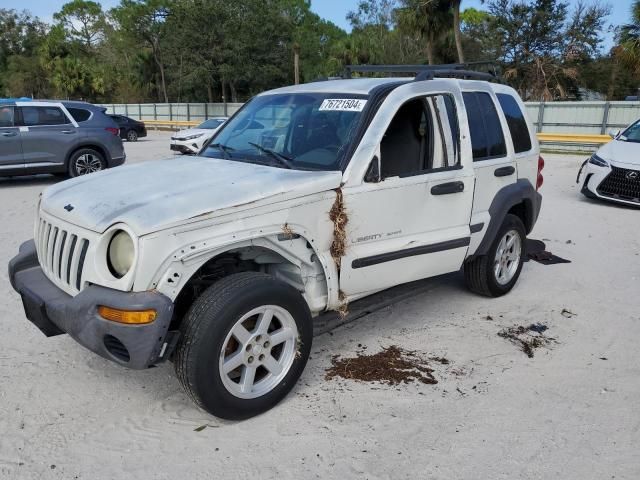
{"type": "Point", "coordinates": [422, 137]}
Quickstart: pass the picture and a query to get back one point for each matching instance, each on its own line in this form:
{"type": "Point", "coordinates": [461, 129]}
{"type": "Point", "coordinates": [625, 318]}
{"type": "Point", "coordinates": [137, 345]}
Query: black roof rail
{"type": "Point", "coordinates": [429, 72]}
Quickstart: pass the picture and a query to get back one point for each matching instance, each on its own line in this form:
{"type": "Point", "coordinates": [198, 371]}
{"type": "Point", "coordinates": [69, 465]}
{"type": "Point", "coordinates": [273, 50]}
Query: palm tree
{"type": "Point", "coordinates": [429, 18]}
{"type": "Point", "coordinates": [630, 39]}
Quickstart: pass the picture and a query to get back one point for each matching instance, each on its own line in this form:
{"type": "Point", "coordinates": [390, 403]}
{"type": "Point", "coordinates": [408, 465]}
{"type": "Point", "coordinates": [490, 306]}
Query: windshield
{"type": "Point", "coordinates": [212, 123]}
{"type": "Point", "coordinates": [303, 130]}
{"type": "Point", "coordinates": [631, 134]}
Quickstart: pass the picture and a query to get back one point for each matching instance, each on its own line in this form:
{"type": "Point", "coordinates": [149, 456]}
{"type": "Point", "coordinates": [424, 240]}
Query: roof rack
{"type": "Point", "coordinates": [429, 72]}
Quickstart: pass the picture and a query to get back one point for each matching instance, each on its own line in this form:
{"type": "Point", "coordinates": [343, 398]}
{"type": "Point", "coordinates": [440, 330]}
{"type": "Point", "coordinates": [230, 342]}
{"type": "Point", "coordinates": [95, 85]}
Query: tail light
{"type": "Point", "coordinates": [113, 130]}
{"type": "Point", "coordinates": [540, 179]}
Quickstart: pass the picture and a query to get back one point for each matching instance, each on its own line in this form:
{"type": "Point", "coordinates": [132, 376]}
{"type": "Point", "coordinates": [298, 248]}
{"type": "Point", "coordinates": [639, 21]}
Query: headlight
{"type": "Point", "coordinates": [596, 160]}
{"type": "Point", "coordinates": [191, 137]}
{"type": "Point", "coordinates": [120, 253]}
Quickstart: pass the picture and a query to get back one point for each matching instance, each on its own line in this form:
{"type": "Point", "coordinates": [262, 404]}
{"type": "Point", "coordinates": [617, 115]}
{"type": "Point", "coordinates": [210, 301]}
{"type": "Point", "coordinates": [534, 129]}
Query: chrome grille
{"type": "Point", "coordinates": [61, 254]}
{"type": "Point", "coordinates": [622, 184]}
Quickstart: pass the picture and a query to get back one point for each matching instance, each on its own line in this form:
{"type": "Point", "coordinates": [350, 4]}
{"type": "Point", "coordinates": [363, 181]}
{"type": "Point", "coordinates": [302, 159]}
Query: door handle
{"type": "Point", "coordinates": [9, 134]}
{"type": "Point", "coordinates": [504, 171]}
{"type": "Point", "coordinates": [67, 132]}
{"type": "Point", "coordinates": [447, 188]}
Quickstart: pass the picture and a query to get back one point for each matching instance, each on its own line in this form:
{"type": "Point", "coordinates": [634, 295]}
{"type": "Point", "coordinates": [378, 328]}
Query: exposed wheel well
{"type": "Point", "coordinates": [247, 259]}
{"type": "Point", "coordinates": [521, 211]}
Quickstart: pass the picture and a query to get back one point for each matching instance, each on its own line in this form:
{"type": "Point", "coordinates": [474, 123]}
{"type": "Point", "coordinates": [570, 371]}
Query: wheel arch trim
{"type": "Point", "coordinates": [521, 192]}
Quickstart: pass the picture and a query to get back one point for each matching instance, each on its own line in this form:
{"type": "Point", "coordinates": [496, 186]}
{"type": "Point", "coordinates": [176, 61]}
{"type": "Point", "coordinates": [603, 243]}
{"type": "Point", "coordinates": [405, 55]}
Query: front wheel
{"type": "Point", "coordinates": [495, 273]}
{"type": "Point", "coordinates": [245, 342]}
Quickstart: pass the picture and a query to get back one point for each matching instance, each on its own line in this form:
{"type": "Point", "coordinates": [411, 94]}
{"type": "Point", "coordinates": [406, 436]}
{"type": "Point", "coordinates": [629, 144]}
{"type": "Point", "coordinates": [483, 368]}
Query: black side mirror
{"type": "Point", "coordinates": [373, 173]}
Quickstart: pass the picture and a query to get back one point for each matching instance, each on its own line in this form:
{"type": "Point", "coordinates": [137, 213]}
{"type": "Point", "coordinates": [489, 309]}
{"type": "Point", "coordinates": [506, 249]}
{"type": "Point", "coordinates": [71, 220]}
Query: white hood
{"type": "Point", "coordinates": [150, 196]}
{"type": "Point", "coordinates": [621, 153]}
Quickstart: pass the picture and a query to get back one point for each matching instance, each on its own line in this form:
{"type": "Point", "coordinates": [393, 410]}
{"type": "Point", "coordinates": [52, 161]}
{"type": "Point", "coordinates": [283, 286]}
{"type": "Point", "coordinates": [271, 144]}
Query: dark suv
{"type": "Point", "coordinates": [57, 137]}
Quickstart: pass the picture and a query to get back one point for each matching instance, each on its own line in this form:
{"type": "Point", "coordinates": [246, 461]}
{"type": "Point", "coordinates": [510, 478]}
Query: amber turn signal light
{"type": "Point", "coordinates": [129, 317]}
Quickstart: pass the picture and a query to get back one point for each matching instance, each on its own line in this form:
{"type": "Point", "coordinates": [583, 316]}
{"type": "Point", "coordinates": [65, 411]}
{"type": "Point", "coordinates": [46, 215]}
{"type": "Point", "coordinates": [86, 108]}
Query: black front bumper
{"type": "Point", "coordinates": [55, 312]}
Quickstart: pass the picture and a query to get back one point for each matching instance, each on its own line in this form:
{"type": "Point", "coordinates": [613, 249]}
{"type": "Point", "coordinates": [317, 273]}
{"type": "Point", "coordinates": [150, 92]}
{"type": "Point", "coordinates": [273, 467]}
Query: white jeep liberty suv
{"type": "Point", "coordinates": [310, 197]}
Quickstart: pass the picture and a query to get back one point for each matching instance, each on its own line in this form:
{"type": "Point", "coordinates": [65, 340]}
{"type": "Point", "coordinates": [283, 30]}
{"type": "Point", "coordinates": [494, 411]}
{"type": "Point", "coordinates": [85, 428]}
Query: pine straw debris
{"type": "Point", "coordinates": [392, 366]}
{"type": "Point", "coordinates": [338, 216]}
{"type": "Point", "coordinates": [527, 338]}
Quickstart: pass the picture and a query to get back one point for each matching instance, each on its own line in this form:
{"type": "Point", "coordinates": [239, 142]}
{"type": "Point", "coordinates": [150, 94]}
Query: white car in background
{"type": "Point", "coordinates": [191, 140]}
{"type": "Point", "coordinates": [613, 172]}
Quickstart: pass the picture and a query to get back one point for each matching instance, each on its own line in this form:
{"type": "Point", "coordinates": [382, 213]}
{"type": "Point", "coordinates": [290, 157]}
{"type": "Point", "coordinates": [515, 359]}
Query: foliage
{"type": "Point", "coordinates": [629, 36]}
{"type": "Point", "coordinates": [197, 50]}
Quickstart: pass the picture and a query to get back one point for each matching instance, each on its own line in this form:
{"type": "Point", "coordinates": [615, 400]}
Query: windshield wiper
{"type": "Point", "coordinates": [284, 160]}
{"type": "Point", "coordinates": [224, 149]}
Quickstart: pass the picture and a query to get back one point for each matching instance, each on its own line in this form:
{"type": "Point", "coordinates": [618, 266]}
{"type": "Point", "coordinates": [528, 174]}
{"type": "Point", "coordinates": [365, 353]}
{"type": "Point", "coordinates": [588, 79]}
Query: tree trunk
{"type": "Point", "coordinates": [429, 51]}
{"type": "Point", "coordinates": [456, 31]}
{"type": "Point", "coordinates": [234, 92]}
{"type": "Point", "coordinates": [296, 63]}
{"type": "Point", "coordinates": [209, 92]}
{"type": "Point", "coordinates": [163, 82]}
{"type": "Point", "coordinates": [614, 75]}
{"type": "Point", "coordinates": [224, 95]}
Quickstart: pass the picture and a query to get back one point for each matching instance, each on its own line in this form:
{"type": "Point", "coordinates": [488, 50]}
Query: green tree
{"type": "Point", "coordinates": [629, 38]}
{"type": "Point", "coordinates": [21, 35]}
{"type": "Point", "coordinates": [143, 21]}
{"type": "Point", "coordinates": [431, 19]}
{"type": "Point", "coordinates": [84, 21]}
{"type": "Point", "coordinates": [540, 45]}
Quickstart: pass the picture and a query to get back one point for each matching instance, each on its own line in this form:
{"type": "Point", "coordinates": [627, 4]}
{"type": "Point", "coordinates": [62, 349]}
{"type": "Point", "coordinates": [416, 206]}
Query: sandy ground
{"type": "Point", "coordinates": [570, 412]}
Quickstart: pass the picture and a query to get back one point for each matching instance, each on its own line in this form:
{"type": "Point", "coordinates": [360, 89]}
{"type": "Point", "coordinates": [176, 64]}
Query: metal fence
{"type": "Point", "coordinates": [582, 117]}
{"type": "Point", "coordinates": [181, 112]}
{"type": "Point", "coordinates": [548, 117]}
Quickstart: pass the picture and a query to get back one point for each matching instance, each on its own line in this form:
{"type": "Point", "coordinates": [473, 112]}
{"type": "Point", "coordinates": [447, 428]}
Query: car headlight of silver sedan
{"type": "Point", "coordinates": [120, 253]}
{"type": "Point", "coordinates": [192, 137]}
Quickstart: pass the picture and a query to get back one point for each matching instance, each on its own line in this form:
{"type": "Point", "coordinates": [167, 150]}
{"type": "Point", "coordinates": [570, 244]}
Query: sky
{"type": "Point", "coordinates": [333, 10]}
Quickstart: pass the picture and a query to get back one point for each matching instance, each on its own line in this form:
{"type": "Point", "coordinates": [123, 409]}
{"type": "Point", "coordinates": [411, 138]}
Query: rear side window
{"type": "Point", "coordinates": [516, 122]}
{"type": "Point", "coordinates": [34, 116]}
{"type": "Point", "coordinates": [7, 115]}
{"type": "Point", "coordinates": [487, 138]}
{"type": "Point", "coordinates": [79, 114]}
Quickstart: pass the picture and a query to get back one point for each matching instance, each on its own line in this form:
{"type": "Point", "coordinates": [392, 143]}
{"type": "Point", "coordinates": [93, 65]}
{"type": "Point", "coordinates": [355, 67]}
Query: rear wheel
{"type": "Point", "coordinates": [495, 273]}
{"type": "Point", "coordinates": [84, 161]}
{"type": "Point", "coordinates": [132, 136]}
{"type": "Point", "coordinates": [245, 342]}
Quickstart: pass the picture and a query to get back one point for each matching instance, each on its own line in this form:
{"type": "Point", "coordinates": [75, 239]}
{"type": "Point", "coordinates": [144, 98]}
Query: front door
{"type": "Point", "coordinates": [415, 222]}
{"type": "Point", "coordinates": [10, 143]}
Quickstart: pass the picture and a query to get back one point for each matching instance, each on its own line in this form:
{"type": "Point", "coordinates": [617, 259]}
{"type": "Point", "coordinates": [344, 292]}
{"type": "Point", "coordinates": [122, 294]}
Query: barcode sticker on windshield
{"type": "Point", "coordinates": [343, 105]}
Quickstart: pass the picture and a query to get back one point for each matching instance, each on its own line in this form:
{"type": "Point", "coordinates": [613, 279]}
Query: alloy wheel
{"type": "Point", "coordinates": [507, 259]}
{"type": "Point", "coordinates": [87, 163]}
{"type": "Point", "coordinates": [258, 351]}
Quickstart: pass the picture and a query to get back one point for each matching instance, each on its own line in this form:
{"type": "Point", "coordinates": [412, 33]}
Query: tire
{"type": "Point", "coordinates": [84, 161]}
{"type": "Point", "coordinates": [480, 273]}
{"type": "Point", "coordinates": [132, 136]}
{"type": "Point", "coordinates": [208, 339]}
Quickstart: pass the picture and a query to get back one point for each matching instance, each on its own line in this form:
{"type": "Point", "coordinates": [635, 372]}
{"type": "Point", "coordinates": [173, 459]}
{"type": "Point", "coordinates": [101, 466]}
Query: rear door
{"type": "Point", "coordinates": [48, 134]}
{"type": "Point", "coordinates": [10, 142]}
{"type": "Point", "coordinates": [493, 159]}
